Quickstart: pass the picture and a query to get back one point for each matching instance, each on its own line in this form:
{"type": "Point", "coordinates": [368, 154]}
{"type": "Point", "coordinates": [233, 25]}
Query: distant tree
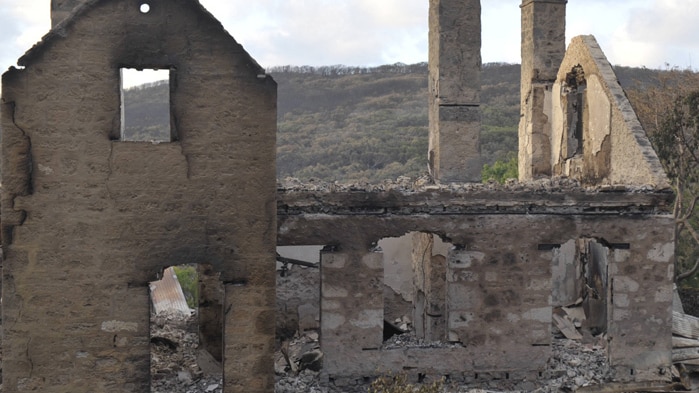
{"type": "Point", "coordinates": [189, 281]}
{"type": "Point", "coordinates": [677, 144]}
{"type": "Point", "coordinates": [669, 112]}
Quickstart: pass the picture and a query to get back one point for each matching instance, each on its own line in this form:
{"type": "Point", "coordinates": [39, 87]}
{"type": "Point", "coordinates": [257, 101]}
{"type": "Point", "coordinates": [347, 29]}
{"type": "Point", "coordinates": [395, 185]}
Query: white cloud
{"type": "Point", "coordinates": [665, 31]}
{"type": "Point", "coordinates": [373, 32]}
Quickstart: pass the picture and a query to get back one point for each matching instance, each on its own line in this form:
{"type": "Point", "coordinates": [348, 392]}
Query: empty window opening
{"type": "Point", "coordinates": [145, 106]}
{"type": "Point", "coordinates": [298, 310]}
{"type": "Point", "coordinates": [186, 329]}
{"type": "Point", "coordinates": [415, 270]}
{"type": "Point", "coordinates": [574, 95]}
{"type": "Point", "coordinates": [145, 8]}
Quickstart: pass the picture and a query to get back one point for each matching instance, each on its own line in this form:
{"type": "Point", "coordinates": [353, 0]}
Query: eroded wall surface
{"type": "Point", "coordinates": [454, 90]}
{"type": "Point", "coordinates": [499, 278]}
{"type": "Point", "coordinates": [596, 135]}
{"type": "Point", "coordinates": [89, 220]}
{"type": "Point", "coordinates": [543, 48]}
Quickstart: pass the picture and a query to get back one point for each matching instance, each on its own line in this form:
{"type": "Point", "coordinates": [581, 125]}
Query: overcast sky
{"type": "Point", "coordinates": [647, 33]}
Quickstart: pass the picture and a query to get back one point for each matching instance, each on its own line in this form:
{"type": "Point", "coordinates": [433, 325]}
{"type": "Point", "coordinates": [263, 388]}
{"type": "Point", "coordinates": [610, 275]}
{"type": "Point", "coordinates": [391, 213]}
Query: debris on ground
{"type": "Point", "coordinates": [174, 357]}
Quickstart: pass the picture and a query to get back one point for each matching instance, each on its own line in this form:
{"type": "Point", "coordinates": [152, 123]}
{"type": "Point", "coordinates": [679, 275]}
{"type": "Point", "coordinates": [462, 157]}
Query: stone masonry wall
{"type": "Point", "coordinates": [89, 220]}
{"type": "Point", "coordinates": [454, 90]}
{"type": "Point", "coordinates": [499, 279]}
{"type": "Point", "coordinates": [615, 148]}
{"type": "Point", "coordinates": [543, 48]}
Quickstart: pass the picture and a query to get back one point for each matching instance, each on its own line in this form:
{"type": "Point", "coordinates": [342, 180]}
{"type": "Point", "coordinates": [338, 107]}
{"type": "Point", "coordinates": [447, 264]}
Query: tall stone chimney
{"type": "Point", "coordinates": [455, 86]}
{"type": "Point", "coordinates": [543, 48]}
{"type": "Point", "coordinates": [61, 9]}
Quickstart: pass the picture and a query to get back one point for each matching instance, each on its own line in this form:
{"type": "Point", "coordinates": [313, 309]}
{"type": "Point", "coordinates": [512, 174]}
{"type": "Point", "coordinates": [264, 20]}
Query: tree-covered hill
{"type": "Point", "coordinates": [370, 124]}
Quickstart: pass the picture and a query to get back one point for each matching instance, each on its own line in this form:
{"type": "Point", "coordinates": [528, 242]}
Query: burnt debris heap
{"type": "Point", "coordinates": [82, 205]}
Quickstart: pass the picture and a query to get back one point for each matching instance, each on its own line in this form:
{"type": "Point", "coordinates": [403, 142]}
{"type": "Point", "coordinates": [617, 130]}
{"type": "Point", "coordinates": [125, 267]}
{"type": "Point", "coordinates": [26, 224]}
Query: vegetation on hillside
{"type": "Point", "coordinates": [340, 123]}
{"type": "Point", "coordinates": [369, 124]}
{"type": "Point", "coordinates": [669, 112]}
{"type": "Point", "coordinates": [189, 281]}
{"type": "Point", "coordinates": [147, 112]}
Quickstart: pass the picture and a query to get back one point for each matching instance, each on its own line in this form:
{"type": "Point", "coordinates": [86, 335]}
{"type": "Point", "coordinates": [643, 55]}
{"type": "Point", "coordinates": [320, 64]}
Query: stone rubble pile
{"type": "Point", "coordinates": [174, 354]}
{"type": "Point", "coordinates": [426, 183]}
{"type": "Point", "coordinates": [573, 365]}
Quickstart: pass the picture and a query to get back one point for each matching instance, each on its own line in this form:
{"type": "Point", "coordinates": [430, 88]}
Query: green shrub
{"type": "Point", "coordinates": [501, 170]}
{"type": "Point", "coordinates": [189, 281]}
{"type": "Point", "coordinates": [398, 384]}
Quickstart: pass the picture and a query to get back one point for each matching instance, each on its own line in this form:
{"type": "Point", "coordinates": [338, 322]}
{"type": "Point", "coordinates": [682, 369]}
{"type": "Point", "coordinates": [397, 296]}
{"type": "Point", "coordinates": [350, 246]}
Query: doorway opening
{"type": "Point", "coordinates": [186, 329]}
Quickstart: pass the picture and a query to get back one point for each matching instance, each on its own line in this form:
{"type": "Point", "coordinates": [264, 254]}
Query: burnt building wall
{"type": "Point", "coordinates": [501, 276]}
{"type": "Point", "coordinates": [90, 219]}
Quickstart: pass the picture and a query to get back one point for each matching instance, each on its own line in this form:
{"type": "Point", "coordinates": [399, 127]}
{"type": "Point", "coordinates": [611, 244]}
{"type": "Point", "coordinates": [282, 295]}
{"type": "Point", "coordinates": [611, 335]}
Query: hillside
{"type": "Point", "coordinates": [370, 124]}
{"type": "Point", "coordinates": [358, 124]}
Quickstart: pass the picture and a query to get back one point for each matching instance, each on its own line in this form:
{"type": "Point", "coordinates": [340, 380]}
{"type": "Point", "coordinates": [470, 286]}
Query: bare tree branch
{"type": "Point", "coordinates": [688, 273]}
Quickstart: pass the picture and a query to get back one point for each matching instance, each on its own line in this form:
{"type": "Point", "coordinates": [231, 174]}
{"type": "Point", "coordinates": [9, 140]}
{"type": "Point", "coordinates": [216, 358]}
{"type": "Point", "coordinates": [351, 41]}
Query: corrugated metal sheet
{"type": "Point", "coordinates": [166, 294]}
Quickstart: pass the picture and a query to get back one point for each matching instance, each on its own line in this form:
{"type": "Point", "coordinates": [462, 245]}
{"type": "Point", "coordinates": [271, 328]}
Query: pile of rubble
{"type": "Point", "coordinates": [573, 365]}
{"type": "Point", "coordinates": [425, 182]}
{"type": "Point", "coordinates": [178, 365]}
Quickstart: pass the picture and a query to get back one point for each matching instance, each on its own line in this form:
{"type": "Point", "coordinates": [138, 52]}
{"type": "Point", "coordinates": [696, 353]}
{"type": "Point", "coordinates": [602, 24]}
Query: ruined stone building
{"type": "Point", "coordinates": [83, 203]}
{"type": "Point", "coordinates": [90, 217]}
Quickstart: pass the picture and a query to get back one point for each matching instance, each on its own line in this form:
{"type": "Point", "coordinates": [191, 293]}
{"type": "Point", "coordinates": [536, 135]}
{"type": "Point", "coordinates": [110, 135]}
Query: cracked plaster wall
{"type": "Point", "coordinates": [88, 220]}
{"type": "Point", "coordinates": [616, 149]}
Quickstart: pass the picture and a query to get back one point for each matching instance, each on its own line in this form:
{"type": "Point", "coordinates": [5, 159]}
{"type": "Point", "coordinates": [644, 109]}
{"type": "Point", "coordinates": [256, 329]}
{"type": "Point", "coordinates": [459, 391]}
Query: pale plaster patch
{"type": "Point", "coordinates": [625, 284]}
{"type": "Point", "coordinates": [368, 319]}
{"type": "Point", "coordinates": [621, 255]}
{"type": "Point", "coordinates": [331, 305]}
{"type": "Point", "coordinates": [621, 300]}
{"type": "Point", "coordinates": [542, 314]}
{"type": "Point", "coordinates": [663, 294]}
{"type": "Point", "coordinates": [662, 252]}
{"type": "Point", "coordinates": [621, 315]}
{"type": "Point", "coordinates": [45, 169]}
{"type": "Point", "coordinates": [334, 291]}
{"type": "Point", "coordinates": [464, 259]}
{"type": "Point", "coordinates": [119, 326]}
{"type": "Point", "coordinates": [332, 321]}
